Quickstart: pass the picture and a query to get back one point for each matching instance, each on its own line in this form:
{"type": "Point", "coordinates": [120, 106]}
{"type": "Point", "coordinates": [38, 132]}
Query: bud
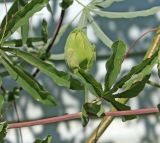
{"type": "Point", "coordinates": [79, 52]}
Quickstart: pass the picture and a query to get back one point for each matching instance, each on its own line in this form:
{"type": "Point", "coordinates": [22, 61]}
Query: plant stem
{"type": "Point", "coordinates": [139, 38]}
{"type": "Point", "coordinates": [78, 115]}
{"type": "Point", "coordinates": [153, 84]}
{"type": "Point", "coordinates": [80, 3]}
{"type": "Point", "coordinates": [18, 119]}
{"type": "Point", "coordinates": [60, 57]}
{"type": "Point", "coordinates": [107, 120]}
{"type": "Point", "coordinates": [55, 34]}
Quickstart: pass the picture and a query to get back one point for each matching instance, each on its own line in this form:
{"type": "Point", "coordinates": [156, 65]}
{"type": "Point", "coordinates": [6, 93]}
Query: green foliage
{"type": "Point", "coordinates": [91, 80]}
{"type": "Point", "coordinates": [104, 3]}
{"type": "Point", "coordinates": [3, 131]}
{"type": "Point", "coordinates": [91, 109]}
{"type": "Point", "coordinates": [21, 17]}
{"type": "Point", "coordinates": [59, 77]}
{"type": "Point", "coordinates": [1, 103]}
{"type": "Point", "coordinates": [99, 33]}
{"type": "Point", "coordinates": [44, 30]}
{"type": "Point", "coordinates": [113, 65]}
{"type": "Point", "coordinates": [142, 13]}
{"type": "Point", "coordinates": [25, 32]}
{"type": "Point", "coordinates": [14, 8]}
{"type": "Point", "coordinates": [136, 70]}
{"type": "Point", "coordinates": [134, 90]}
{"type": "Point", "coordinates": [16, 55]}
{"type": "Point", "coordinates": [66, 3]}
{"type": "Point", "coordinates": [27, 82]}
{"type": "Point", "coordinates": [48, 139]}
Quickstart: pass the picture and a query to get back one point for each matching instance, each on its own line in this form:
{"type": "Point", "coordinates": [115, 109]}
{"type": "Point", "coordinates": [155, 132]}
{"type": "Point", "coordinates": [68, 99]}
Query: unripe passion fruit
{"type": "Point", "coordinates": [79, 52]}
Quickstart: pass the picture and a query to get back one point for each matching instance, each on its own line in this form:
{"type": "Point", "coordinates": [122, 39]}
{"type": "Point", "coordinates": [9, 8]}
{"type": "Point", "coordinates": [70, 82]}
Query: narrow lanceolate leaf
{"type": "Point", "coordinates": [84, 117]}
{"type": "Point", "coordinates": [135, 71]}
{"type": "Point", "coordinates": [99, 33]}
{"type": "Point", "coordinates": [49, 8]}
{"type": "Point", "coordinates": [119, 106]}
{"type": "Point", "coordinates": [14, 8]}
{"type": "Point", "coordinates": [48, 139]}
{"type": "Point", "coordinates": [25, 32]}
{"type": "Point", "coordinates": [27, 82]}
{"type": "Point", "coordinates": [142, 13]}
{"type": "Point", "coordinates": [22, 16]}
{"type": "Point", "coordinates": [104, 3]}
{"type": "Point", "coordinates": [44, 30]}
{"type": "Point", "coordinates": [83, 21]}
{"type": "Point", "coordinates": [3, 131]}
{"type": "Point", "coordinates": [134, 90]}
{"type": "Point", "coordinates": [92, 81]}
{"type": "Point", "coordinates": [31, 41]}
{"type": "Point", "coordinates": [61, 78]}
{"type": "Point", "coordinates": [113, 65]}
{"type": "Point", "coordinates": [140, 76]}
{"type": "Point", "coordinates": [1, 103]}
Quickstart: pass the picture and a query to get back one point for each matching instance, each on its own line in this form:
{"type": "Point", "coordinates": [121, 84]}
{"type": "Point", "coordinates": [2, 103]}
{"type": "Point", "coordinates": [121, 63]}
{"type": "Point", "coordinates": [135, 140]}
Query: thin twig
{"type": "Point", "coordinates": [153, 83]}
{"type": "Point", "coordinates": [67, 117]}
{"type": "Point", "coordinates": [55, 34]}
{"type": "Point", "coordinates": [18, 119]}
{"type": "Point", "coordinates": [139, 38]}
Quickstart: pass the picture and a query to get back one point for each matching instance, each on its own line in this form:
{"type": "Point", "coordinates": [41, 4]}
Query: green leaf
{"type": "Point", "coordinates": [14, 8]}
{"type": "Point", "coordinates": [127, 118]}
{"type": "Point", "coordinates": [61, 78]}
{"type": "Point", "coordinates": [1, 103]}
{"type": "Point", "coordinates": [1, 81]}
{"type": "Point", "coordinates": [48, 139]}
{"type": "Point", "coordinates": [49, 8]}
{"type": "Point", "coordinates": [135, 14]}
{"type": "Point", "coordinates": [83, 21]}
{"type": "Point", "coordinates": [94, 109]}
{"type": "Point", "coordinates": [66, 3]}
{"type": "Point", "coordinates": [27, 82]}
{"type": "Point", "coordinates": [44, 30]}
{"type": "Point", "coordinates": [99, 33]}
{"type": "Point", "coordinates": [92, 81]}
{"type": "Point", "coordinates": [91, 109]}
{"type": "Point", "coordinates": [134, 90]}
{"type": "Point", "coordinates": [145, 64]}
{"type": "Point", "coordinates": [3, 131]}
{"type": "Point", "coordinates": [140, 76]}
{"type": "Point", "coordinates": [22, 16]}
{"type": "Point", "coordinates": [25, 32]}
{"type": "Point", "coordinates": [104, 3]}
{"type": "Point", "coordinates": [31, 41]}
{"type": "Point", "coordinates": [119, 106]}
{"type": "Point", "coordinates": [113, 65]}
{"type": "Point", "coordinates": [84, 117]}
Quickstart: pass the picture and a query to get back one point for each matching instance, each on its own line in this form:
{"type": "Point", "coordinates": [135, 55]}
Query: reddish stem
{"type": "Point", "coordinates": [140, 37]}
{"type": "Point", "coordinates": [78, 115]}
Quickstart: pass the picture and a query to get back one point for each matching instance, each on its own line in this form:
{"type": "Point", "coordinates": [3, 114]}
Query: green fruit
{"type": "Point", "coordinates": [79, 52]}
